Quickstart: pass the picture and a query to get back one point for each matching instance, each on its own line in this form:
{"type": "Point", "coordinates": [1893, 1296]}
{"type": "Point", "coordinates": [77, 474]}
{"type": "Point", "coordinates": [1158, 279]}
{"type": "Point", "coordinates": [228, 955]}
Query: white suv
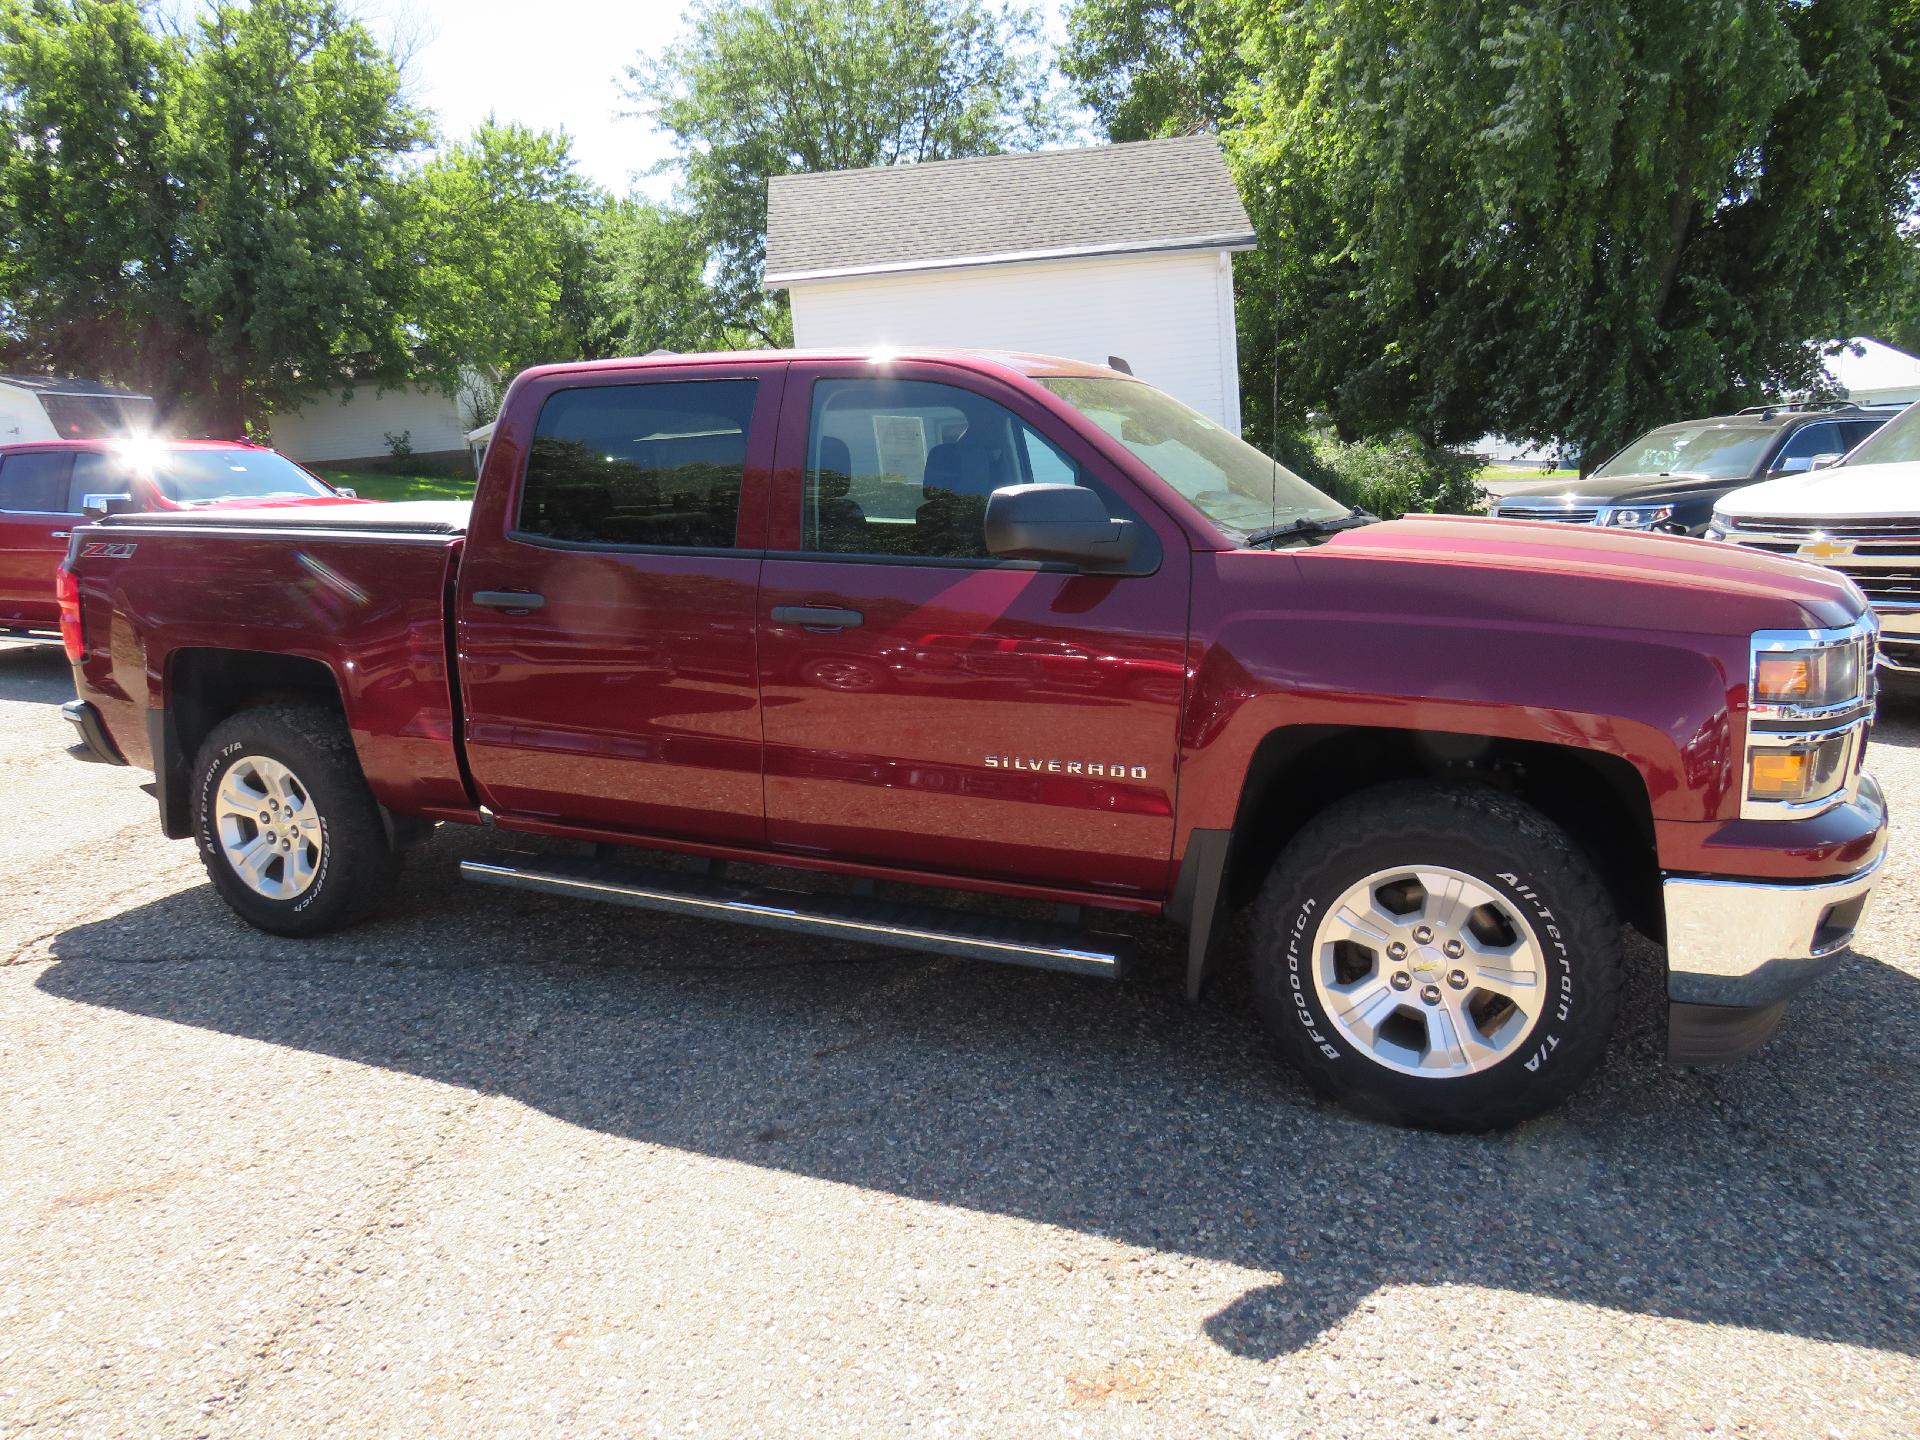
{"type": "Point", "coordinates": [1860, 517]}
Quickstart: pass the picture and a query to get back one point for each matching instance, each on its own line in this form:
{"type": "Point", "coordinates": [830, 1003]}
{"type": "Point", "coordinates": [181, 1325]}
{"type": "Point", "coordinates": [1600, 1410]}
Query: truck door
{"type": "Point", "coordinates": [928, 706]}
{"type": "Point", "coordinates": [606, 601]}
{"type": "Point", "coordinates": [36, 520]}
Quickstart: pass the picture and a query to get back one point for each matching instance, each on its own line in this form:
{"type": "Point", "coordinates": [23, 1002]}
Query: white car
{"type": "Point", "coordinates": [1860, 517]}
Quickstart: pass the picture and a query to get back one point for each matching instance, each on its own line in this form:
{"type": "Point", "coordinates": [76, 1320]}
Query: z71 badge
{"type": "Point", "coordinates": [108, 550]}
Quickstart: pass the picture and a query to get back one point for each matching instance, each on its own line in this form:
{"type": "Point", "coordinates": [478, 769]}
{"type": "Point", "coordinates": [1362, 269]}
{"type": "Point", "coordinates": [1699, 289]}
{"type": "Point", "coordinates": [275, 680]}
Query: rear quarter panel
{"type": "Point", "coordinates": [371, 609]}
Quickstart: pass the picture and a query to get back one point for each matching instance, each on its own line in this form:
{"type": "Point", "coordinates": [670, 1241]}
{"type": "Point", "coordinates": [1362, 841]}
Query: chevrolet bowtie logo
{"type": "Point", "coordinates": [1824, 549]}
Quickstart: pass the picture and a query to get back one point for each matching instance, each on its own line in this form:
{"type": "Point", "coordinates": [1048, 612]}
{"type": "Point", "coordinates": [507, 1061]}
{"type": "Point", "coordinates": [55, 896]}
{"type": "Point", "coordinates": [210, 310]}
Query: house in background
{"type": "Point", "coordinates": [45, 407]}
{"type": "Point", "coordinates": [357, 431]}
{"type": "Point", "coordinates": [1115, 250]}
{"type": "Point", "coordinates": [1870, 373]}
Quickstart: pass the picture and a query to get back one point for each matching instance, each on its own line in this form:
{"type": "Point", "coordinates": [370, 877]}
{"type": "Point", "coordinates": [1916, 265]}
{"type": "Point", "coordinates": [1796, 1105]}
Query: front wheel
{"type": "Point", "coordinates": [1438, 955]}
{"type": "Point", "coordinates": [288, 830]}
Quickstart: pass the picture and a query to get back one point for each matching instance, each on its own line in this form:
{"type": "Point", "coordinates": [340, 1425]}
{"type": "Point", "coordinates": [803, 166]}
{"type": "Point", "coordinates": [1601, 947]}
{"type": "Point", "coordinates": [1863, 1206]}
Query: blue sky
{"type": "Point", "coordinates": [552, 66]}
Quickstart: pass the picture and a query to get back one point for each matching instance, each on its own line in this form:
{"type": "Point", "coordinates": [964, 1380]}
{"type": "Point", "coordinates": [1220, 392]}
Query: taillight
{"type": "Point", "coordinates": [66, 588]}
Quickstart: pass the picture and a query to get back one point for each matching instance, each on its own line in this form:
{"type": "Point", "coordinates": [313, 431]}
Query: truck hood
{"type": "Point", "coordinates": [1845, 492]}
{"type": "Point", "coordinates": [1616, 490]}
{"type": "Point", "coordinates": [1581, 576]}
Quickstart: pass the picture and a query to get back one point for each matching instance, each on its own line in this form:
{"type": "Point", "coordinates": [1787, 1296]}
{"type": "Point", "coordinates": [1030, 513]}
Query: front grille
{"type": "Point", "coordinates": [1884, 586]}
{"type": "Point", "coordinates": [1568, 514]}
{"type": "Point", "coordinates": [1897, 654]}
{"type": "Point", "coordinates": [1865, 529]}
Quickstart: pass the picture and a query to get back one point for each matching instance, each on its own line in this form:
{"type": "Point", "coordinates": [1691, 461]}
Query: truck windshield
{"type": "Point", "coordinates": [1238, 488]}
{"type": "Point", "coordinates": [193, 477]}
{"type": "Point", "coordinates": [1894, 443]}
{"type": "Point", "coordinates": [1721, 452]}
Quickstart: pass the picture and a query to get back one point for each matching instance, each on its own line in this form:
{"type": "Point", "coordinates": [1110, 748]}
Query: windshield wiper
{"type": "Point", "coordinates": [1312, 525]}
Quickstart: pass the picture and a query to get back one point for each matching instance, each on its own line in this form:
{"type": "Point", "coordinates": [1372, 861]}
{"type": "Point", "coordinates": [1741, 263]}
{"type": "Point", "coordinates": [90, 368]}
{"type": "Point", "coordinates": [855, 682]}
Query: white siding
{"type": "Point", "coordinates": [23, 417]}
{"type": "Point", "coordinates": [1169, 316]}
{"type": "Point", "coordinates": [329, 428]}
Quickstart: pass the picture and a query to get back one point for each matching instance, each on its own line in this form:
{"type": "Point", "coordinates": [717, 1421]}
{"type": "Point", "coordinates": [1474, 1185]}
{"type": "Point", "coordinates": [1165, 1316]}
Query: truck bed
{"type": "Point", "coordinates": [363, 590]}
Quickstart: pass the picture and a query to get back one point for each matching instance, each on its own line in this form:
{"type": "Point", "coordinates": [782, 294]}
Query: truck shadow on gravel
{"type": "Point", "coordinates": [1779, 1195]}
{"type": "Point", "coordinates": [34, 672]}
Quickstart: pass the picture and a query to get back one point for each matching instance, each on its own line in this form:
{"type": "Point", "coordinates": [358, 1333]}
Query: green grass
{"type": "Point", "coordinates": [375, 486]}
{"type": "Point", "coordinates": [1524, 472]}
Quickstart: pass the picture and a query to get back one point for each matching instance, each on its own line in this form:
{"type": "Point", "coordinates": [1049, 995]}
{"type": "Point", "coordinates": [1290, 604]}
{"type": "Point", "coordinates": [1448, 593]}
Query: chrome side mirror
{"type": "Point", "coordinates": [98, 507]}
{"type": "Point", "coordinates": [1821, 462]}
{"type": "Point", "coordinates": [346, 490]}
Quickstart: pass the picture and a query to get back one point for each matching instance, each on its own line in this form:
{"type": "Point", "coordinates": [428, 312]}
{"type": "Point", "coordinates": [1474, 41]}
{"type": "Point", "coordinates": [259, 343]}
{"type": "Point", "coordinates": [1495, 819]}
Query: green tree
{"type": "Point", "coordinates": [510, 271]}
{"type": "Point", "coordinates": [216, 214]}
{"type": "Point", "coordinates": [1153, 68]}
{"type": "Point", "coordinates": [657, 294]}
{"type": "Point", "coordinates": [1570, 221]}
{"type": "Point", "coordinates": [776, 87]}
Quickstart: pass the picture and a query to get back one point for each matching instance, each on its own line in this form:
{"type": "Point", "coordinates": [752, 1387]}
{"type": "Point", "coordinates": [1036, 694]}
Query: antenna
{"type": "Point", "coordinates": [1273, 420]}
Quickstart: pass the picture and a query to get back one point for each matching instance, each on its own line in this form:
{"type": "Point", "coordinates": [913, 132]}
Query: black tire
{"type": "Point", "coordinates": [1517, 855]}
{"type": "Point", "coordinates": [356, 865]}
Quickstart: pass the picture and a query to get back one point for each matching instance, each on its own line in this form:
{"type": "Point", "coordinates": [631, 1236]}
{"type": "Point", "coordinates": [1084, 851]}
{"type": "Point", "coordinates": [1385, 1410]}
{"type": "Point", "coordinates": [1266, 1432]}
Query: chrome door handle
{"type": "Point", "coordinates": [508, 600]}
{"type": "Point", "coordinates": [61, 535]}
{"type": "Point", "coordinates": [818, 617]}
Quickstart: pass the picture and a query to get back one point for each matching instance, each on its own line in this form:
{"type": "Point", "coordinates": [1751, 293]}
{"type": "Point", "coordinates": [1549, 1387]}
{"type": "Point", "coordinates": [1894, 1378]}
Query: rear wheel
{"type": "Point", "coordinates": [288, 830]}
{"type": "Point", "coordinates": [1438, 955]}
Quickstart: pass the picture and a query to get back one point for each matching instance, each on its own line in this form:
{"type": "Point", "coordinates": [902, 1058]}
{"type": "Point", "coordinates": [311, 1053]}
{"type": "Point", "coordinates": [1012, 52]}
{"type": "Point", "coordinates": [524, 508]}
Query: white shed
{"type": "Point", "coordinates": [363, 426]}
{"type": "Point", "coordinates": [1114, 250]}
{"type": "Point", "coordinates": [48, 407]}
{"type": "Point", "coordinates": [1870, 373]}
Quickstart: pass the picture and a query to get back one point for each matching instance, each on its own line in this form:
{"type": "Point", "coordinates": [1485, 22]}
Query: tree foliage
{"type": "Point", "coordinates": [215, 214]}
{"type": "Point", "coordinates": [776, 87]}
{"type": "Point", "coordinates": [1153, 68]}
{"type": "Point", "coordinates": [1556, 222]}
{"type": "Point", "coordinates": [511, 269]}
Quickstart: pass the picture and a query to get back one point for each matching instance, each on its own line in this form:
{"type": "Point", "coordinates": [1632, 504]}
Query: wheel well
{"type": "Point", "coordinates": [1599, 799]}
{"type": "Point", "coordinates": [204, 687]}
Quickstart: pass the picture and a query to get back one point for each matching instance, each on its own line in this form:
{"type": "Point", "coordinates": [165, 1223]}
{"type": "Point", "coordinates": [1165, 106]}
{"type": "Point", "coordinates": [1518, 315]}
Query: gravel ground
{"type": "Point", "coordinates": [500, 1165]}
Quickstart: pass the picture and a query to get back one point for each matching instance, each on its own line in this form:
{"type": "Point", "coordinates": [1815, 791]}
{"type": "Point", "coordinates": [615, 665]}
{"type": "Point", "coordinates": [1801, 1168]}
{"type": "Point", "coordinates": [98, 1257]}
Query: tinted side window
{"type": "Point", "coordinates": [658, 464]}
{"type": "Point", "coordinates": [904, 467]}
{"type": "Point", "coordinates": [35, 481]}
{"type": "Point", "coordinates": [1807, 442]}
{"type": "Point", "coordinates": [95, 474]}
{"type": "Point", "coordinates": [1858, 430]}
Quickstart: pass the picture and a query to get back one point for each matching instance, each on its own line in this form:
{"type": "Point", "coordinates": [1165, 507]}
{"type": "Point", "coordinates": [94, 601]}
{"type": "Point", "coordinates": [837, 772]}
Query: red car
{"type": "Point", "coordinates": [46, 487]}
{"type": "Point", "coordinates": [997, 623]}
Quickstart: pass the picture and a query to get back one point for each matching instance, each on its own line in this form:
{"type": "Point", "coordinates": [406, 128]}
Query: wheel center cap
{"type": "Point", "coordinates": [1426, 960]}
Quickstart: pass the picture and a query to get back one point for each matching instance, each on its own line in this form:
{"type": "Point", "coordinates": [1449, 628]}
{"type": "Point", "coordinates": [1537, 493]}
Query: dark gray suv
{"type": "Point", "coordinates": [1669, 479]}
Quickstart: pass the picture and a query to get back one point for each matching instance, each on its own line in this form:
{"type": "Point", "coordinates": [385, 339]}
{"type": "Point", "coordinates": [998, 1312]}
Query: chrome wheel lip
{"type": "Point", "coordinates": [1455, 1045]}
{"type": "Point", "coordinates": [268, 828]}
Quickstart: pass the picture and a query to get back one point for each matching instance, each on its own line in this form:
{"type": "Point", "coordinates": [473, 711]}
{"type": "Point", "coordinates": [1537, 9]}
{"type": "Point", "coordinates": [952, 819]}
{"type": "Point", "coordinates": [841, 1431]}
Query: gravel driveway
{"type": "Point", "coordinates": [498, 1165]}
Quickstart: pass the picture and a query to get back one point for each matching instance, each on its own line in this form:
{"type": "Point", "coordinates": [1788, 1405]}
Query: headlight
{"type": "Point", "coordinates": [1809, 702]}
{"type": "Point", "coordinates": [1812, 677]}
{"type": "Point", "coordinates": [1643, 517]}
{"type": "Point", "coordinates": [1801, 773]}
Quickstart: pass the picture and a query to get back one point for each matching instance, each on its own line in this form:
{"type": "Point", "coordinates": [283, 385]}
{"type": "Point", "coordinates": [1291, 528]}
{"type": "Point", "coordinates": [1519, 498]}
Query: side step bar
{"type": "Point", "coordinates": [1047, 945]}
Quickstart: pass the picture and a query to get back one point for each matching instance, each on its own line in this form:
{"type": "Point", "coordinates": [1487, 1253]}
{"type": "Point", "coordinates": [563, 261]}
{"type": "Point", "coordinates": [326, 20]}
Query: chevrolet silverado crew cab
{"type": "Point", "coordinates": [49, 486]}
{"type": "Point", "coordinates": [1669, 479]}
{"type": "Point", "coordinates": [1860, 518]}
{"type": "Point", "coordinates": [917, 624]}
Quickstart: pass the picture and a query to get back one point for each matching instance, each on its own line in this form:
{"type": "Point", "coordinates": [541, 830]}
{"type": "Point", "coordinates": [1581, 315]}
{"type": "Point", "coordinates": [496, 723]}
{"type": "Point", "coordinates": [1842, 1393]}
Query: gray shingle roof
{"type": "Point", "coordinates": [59, 385]}
{"type": "Point", "coordinates": [1108, 199]}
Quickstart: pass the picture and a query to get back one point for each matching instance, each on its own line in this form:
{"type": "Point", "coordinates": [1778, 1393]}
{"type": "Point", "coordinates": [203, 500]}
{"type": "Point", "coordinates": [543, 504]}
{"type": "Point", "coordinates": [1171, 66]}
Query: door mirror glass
{"type": "Point", "coordinates": [98, 507]}
{"type": "Point", "coordinates": [1056, 522]}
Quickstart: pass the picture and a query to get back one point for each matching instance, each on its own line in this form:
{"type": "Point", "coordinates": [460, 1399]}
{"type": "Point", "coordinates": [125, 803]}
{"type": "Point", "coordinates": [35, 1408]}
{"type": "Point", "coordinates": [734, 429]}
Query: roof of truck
{"type": "Point", "coordinates": [1018, 362]}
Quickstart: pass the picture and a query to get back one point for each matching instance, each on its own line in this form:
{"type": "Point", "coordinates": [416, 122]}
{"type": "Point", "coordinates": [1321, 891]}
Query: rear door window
{"type": "Point", "coordinates": [1808, 441]}
{"type": "Point", "coordinates": [35, 482]}
{"type": "Point", "coordinates": [656, 465]}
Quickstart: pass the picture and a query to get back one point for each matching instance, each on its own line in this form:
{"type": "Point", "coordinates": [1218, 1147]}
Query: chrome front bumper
{"type": "Point", "coordinates": [1753, 943]}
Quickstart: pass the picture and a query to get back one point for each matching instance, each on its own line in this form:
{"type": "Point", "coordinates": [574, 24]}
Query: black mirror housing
{"type": "Point", "coordinates": [1057, 522]}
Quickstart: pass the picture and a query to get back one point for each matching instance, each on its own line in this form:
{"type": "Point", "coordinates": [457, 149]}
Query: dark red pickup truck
{"type": "Point", "coordinates": [1003, 624]}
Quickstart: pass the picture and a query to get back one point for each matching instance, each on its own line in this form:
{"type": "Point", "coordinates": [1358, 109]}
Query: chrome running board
{"type": "Point", "coordinates": [1046, 945]}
